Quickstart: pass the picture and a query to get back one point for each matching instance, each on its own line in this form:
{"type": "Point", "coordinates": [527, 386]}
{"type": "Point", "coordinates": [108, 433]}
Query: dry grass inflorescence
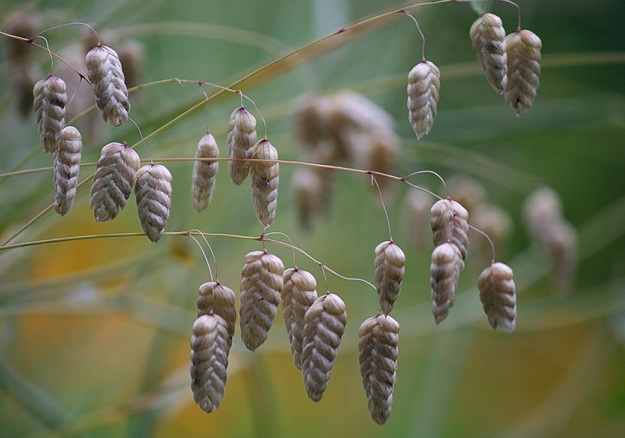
{"type": "Point", "coordinates": [342, 131]}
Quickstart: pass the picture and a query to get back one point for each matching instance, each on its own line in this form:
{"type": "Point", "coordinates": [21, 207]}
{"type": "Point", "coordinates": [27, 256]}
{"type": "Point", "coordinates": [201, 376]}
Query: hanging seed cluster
{"type": "Point", "coordinates": [343, 129]}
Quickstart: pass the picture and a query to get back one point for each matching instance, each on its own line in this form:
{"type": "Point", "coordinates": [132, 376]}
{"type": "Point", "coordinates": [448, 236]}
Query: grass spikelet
{"type": "Point", "coordinates": [298, 294]}
{"type": "Point", "coordinates": [324, 325]}
{"type": "Point", "coordinates": [265, 179]}
{"type": "Point", "coordinates": [153, 193]}
{"type": "Point", "coordinates": [378, 349]}
{"type": "Point", "coordinates": [204, 172]}
{"type": "Point", "coordinates": [497, 293]}
{"type": "Point", "coordinates": [523, 49]}
{"type": "Point", "coordinates": [423, 93]}
{"type": "Point", "coordinates": [50, 99]}
{"type": "Point", "coordinates": [113, 180]}
{"type": "Point", "coordinates": [241, 138]}
{"type": "Point", "coordinates": [209, 361]}
{"type": "Point", "coordinates": [261, 287]}
{"type": "Point", "coordinates": [216, 298]}
{"type": "Point", "coordinates": [307, 189]}
{"type": "Point", "coordinates": [66, 169]}
{"type": "Point", "coordinates": [444, 273]}
{"type": "Point", "coordinates": [449, 224]}
{"type": "Point", "coordinates": [105, 73]}
{"type": "Point", "coordinates": [390, 269]}
{"type": "Point", "coordinates": [488, 35]}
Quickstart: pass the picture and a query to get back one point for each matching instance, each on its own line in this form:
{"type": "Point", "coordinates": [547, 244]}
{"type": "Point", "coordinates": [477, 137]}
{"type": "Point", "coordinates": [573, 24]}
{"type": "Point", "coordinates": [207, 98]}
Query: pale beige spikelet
{"type": "Point", "coordinates": [216, 298]}
{"type": "Point", "coordinates": [66, 168]}
{"type": "Point", "coordinates": [497, 293]}
{"type": "Point", "coordinates": [424, 83]}
{"type": "Point", "coordinates": [307, 188]}
{"type": "Point", "coordinates": [261, 287]}
{"type": "Point", "coordinates": [298, 294]}
{"type": "Point", "coordinates": [153, 194]}
{"type": "Point", "coordinates": [209, 361]}
{"type": "Point", "coordinates": [467, 191]}
{"type": "Point", "coordinates": [488, 35]}
{"type": "Point", "coordinates": [523, 50]}
{"type": "Point", "coordinates": [204, 172]}
{"type": "Point", "coordinates": [444, 273]}
{"type": "Point", "coordinates": [105, 73]}
{"type": "Point", "coordinates": [241, 138]}
{"type": "Point", "coordinates": [113, 180]}
{"type": "Point", "coordinates": [324, 325]}
{"type": "Point", "coordinates": [553, 234]}
{"type": "Point", "coordinates": [50, 99]}
{"type": "Point", "coordinates": [390, 268]}
{"type": "Point", "coordinates": [449, 224]}
{"type": "Point", "coordinates": [265, 180]}
{"type": "Point", "coordinates": [378, 349]}
{"type": "Point", "coordinates": [493, 221]}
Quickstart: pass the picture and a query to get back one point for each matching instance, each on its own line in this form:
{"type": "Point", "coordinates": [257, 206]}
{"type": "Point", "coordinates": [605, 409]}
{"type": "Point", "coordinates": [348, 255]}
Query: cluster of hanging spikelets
{"type": "Point", "coordinates": [341, 129]}
{"type": "Point", "coordinates": [344, 129]}
{"type": "Point", "coordinates": [511, 64]}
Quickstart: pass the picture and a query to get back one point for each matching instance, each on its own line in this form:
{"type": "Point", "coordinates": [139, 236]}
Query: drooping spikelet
{"type": "Point", "coordinates": [107, 81]}
{"type": "Point", "coordinates": [324, 325]}
{"type": "Point", "coordinates": [66, 168]}
{"type": "Point", "coordinates": [113, 180]}
{"type": "Point", "coordinates": [298, 294]}
{"type": "Point", "coordinates": [523, 51]}
{"type": "Point", "coordinates": [153, 193]}
{"type": "Point", "coordinates": [449, 224]}
{"type": "Point", "coordinates": [241, 137]}
{"type": "Point", "coordinates": [261, 286]}
{"type": "Point", "coordinates": [497, 293]}
{"type": "Point", "coordinates": [209, 361]}
{"type": "Point", "coordinates": [265, 178]}
{"type": "Point", "coordinates": [307, 189]}
{"type": "Point", "coordinates": [553, 234]}
{"type": "Point", "coordinates": [49, 105]}
{"type": "Point", "coordinates": [216, 298]}
{"type": "Point", "coordinates": [423, 92]}
{"type": "Point", "coordinates": [390, 269]}
{"type": "Point", "coordinates": [444, 272]}
{"type": "Point", "coordinates": [378, 342]}
{"type": "Point", "coordinates": [204, 172]}
{"type": "Point", "coordinates": [487, 34]}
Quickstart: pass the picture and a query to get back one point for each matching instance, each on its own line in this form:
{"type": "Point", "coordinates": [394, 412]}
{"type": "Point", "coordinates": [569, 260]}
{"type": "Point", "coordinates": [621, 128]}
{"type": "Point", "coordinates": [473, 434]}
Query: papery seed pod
{"type": "Point", "coordinates": [153, 193]}
{"type": "Point", "coordinates": [497, 293]}
{"type": "Point", "coordinates": [493, 221]}
{"type": "Point", "coordinates": [265, 179]}
{"type": "Point", "coordinates": [377, 151]}
{"type": "Point", "coordinates": [204, 172]}
{"type": "Point", "coordinates": [449, 224]}
{"type": "Point", "coordinates": [390, 269]}
{"type": "Point", "coordinates": [324, 325]}
{"type": "Point", "coordinates": [66, 168]}
{"type": "Point", "coordinates": [523, 50]}
{"type": "Point", "coordinates": [444, 273]}
{"type": "Point", "coordinates": [216, 298]}
{"type": "Point", "coordinates": [308, 194]}
{"type": "Point", "coordinates": [241, 138]}
{"type": "Point", "coordinates": [107, 81]}
{"type": "Point", "coordinates": [298, 294]}
{"type": "Point", "coordinates": [209, 361]}
{"type": "Point", "coordinates": [49, 106]}
{"type": "Point", "coordinates": [378, 349]}
{"type": "Point", "coordinates": [113, 180]}
{"type": "Point", "coordinates": [542, 208]}
{"type": "Point", "coordinates": [487, 35]}
{"type": "Point", "coordinates": [467, 191]}
{"type": "Point", "coordinates": [261, 286]}
{"type": "Point", "coordinates": [423, 92]}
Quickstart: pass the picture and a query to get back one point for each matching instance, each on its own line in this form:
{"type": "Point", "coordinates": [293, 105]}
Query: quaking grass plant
{"type": "Point", "coordinates": [342, 134]}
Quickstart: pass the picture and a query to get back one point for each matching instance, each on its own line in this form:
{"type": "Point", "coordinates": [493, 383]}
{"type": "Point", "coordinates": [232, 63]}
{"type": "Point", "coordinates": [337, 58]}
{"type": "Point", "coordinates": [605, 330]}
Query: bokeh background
{"type": "Point", "coordinates": [94, 334]}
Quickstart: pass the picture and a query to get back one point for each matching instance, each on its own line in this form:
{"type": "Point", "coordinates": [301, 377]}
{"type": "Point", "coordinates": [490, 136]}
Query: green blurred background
{"type": "Point", "coordinates": [94, 334]}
